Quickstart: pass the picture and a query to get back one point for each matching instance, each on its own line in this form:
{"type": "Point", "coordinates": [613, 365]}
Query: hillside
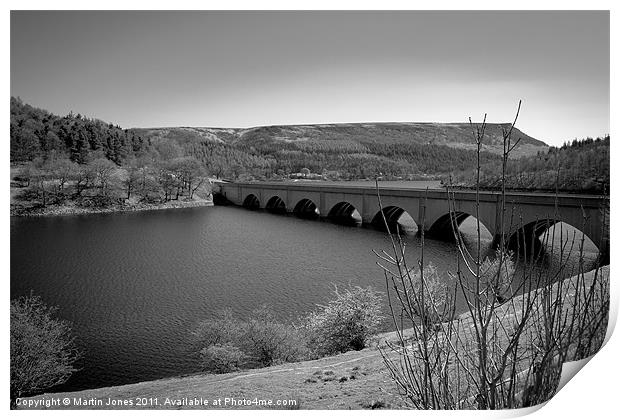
{"type": "Point", "coordinates": [339, 151]}
{"type": "Point", "coordinates": [579, 166]}
{"type": "Point", "coordinates": [353, 137]}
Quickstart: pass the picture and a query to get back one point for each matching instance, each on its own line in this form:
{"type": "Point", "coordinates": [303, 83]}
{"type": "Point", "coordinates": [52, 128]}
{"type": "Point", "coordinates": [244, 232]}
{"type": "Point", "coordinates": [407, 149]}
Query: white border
{"type": "Point", "coordinates": [593, 394]}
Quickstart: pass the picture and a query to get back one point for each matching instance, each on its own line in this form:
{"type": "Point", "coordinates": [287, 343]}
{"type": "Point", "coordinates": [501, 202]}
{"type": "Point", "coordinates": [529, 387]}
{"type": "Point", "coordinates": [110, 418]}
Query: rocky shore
{"type": "Point", "coordinates": [70, 210]}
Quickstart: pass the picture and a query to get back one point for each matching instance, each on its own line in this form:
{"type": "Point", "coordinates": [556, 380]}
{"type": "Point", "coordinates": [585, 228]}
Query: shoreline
{"type": "Point", "coordinates": [76, 211]}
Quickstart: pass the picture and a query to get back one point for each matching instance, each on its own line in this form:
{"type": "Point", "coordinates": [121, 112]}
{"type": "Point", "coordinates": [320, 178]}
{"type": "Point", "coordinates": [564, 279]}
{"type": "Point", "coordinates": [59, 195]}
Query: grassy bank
{"type": "Point", "coordinates": [353, 380]}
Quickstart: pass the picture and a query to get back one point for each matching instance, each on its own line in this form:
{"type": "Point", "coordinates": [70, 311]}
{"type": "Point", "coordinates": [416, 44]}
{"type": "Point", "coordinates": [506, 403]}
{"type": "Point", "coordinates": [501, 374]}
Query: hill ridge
{"type": "Point", "coordinates": [466, 123]}
{"type": "Point", "coordinates": [356, 135]}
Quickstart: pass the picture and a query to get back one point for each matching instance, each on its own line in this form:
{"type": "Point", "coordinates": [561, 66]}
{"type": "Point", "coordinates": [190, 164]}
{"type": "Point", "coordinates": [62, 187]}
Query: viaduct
{"type": "Point", "coordinates": [528, 214]}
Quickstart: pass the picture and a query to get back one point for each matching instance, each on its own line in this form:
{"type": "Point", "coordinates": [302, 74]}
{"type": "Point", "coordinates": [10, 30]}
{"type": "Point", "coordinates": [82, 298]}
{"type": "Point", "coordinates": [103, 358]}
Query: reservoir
{"type": "Point", "coordinates": [135, 285]}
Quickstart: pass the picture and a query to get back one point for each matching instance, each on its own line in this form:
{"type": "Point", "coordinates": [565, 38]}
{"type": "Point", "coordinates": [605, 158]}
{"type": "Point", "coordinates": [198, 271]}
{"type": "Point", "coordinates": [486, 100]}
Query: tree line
{"type": "Point", "coordinates": [576, 166]}
{"type": "Point", "coordinates": [101, 183]}
{"type": "Point", "coordinates": [38, 133]}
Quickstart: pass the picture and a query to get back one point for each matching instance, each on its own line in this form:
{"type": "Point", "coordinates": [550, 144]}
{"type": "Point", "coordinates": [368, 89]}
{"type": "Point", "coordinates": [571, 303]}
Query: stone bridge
{"type": "Point", "coordinates": [527, 215]}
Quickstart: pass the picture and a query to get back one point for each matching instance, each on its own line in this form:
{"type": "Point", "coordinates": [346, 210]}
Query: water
{"type": "Point", "coordinates": [134, 285]}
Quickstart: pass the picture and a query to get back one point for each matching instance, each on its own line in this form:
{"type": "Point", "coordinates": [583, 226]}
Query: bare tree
{"type": "Point", "coordinates": [62, 170]}
{"type": "Point", "coordinates": [39, 181]}
{"type": "Point", "coordinates": [131, 179]}
{"type": "Point", "coordinates": [84, 177]}
{"type": "Point", "coordinates": [507, 347]}
{"type": "Point", "coordinates": [103, 170]}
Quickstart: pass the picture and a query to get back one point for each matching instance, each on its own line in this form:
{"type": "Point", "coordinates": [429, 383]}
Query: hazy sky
{"type": "Point", "coordinates": [242, 69]}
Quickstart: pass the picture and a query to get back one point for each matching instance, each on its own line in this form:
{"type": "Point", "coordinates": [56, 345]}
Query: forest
{"type": "Point", "coordinates": [81, 163]}
{"type": "Point", "coordinates": [577, 166]}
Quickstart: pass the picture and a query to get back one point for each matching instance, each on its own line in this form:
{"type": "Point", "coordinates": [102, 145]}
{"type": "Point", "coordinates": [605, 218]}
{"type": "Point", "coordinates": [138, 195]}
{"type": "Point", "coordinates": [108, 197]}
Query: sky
{"type": "Point", "coordinates": [245, 69]}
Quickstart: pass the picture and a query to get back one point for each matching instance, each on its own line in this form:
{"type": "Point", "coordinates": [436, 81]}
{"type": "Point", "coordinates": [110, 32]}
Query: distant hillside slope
{"type": "Point", "coordinates": [354, 137]}
{"type": "Point", "coordinates": [579, 166]}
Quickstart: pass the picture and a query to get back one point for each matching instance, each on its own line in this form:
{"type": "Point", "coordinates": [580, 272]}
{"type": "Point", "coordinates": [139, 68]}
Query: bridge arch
{"type": "Point", "coordinates": [345, 213]}
{"type": "Point", "coordinates": [306, 209]}
{"type": "Point", "coordinates": [397, 218]}
{"type": "Point", "coordinates": [552, 236]}
{"type": "Point", "coordinates": [251, 202]}
{"type": "Point", "coordinates": [276, 205]}
{"type": "Point", "coordinates": [442, 227]}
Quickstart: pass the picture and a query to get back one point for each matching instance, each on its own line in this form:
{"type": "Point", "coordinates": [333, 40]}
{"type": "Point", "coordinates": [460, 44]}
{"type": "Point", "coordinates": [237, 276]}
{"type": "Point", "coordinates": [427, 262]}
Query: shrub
{"type": "Point", "coordinates": [230, 343]}
{"type": "Point", "coordinates": [345, 323]}
{"type": "Point", "coordinates": [221, 329]}
{"type": "Point", "coordinates": [42, 348]}
{"type": "Point", "coordinates": [270, 342]}
{"type": "Point", "coordinates": [222, 358]}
